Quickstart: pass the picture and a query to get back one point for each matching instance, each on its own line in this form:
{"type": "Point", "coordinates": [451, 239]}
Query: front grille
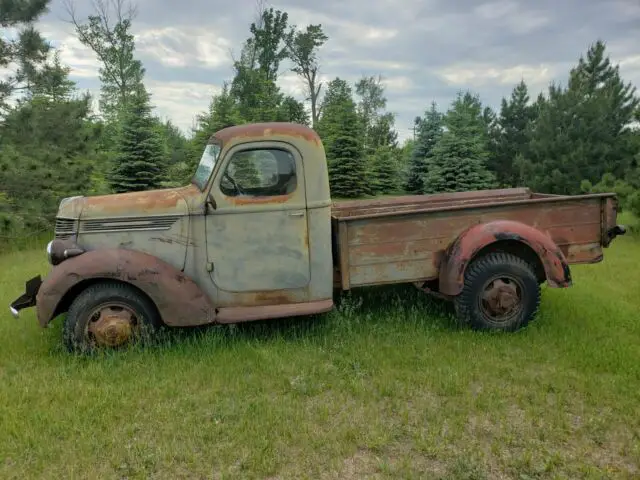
{"type": "Point", "coordinates": [65, 227]}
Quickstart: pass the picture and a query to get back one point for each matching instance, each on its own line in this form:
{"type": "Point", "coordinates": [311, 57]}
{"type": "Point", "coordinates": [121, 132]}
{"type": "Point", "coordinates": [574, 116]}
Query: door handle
{"type": "Point", "coordinates": [296, 214]}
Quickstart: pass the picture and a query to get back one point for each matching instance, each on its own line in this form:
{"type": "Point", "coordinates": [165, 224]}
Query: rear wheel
{"type": "Point", "coordinates": [109, 315]}
{"type": "Point", "coordinates": [501, 292]}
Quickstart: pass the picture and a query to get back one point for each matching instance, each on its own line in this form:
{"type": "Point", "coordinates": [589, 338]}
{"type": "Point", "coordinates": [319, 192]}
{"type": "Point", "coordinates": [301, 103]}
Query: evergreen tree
{"type": "Point", "coordinates": [49, 151]}
{"type": "Point", "coordinates": [609, 183]}
{"type": "Point", "coordinates": [223, 112]}
{"type": "Point", "coordinates": [384, 171]}
{"type": "Point", "coordinates": [510, 136]}
{"type": "Point", "coordinates": [458, 160]}
{"type": "Point", "coordinates": [429, 132]}
{"type": "Point", "coordinates": [404, 154]}
{"type": "Point", "coordinates": [139, 163]}
{"type": "Point", "coordinates": [339, 129]}
{"type": "Point", "coordinates": [28, 50]}
{"type": "Point", "coordinates": [176, 153]}
{"type": "Point", "coordinates": [291, 110]}
{"type": "Point", "coordinates": [582, 131]}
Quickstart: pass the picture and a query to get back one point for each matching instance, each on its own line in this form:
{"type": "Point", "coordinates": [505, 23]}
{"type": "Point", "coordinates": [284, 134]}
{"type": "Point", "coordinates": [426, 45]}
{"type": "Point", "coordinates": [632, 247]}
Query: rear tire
{"type": "Point", "coordinates": [109, 315]}
{"type": "Point", "coordinates": [500, 293]}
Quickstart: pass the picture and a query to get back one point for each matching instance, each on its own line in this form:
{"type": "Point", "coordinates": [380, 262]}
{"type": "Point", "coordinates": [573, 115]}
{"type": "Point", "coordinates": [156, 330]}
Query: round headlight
{"type": "Point", "coordinates": [49, 249]}
{"type": "Point", "coordinates": [59, 250]}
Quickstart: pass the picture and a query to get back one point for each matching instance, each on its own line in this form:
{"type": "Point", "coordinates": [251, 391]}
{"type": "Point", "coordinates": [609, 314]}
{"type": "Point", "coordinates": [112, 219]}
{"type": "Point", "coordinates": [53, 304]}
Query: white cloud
{"type": "Point", "coordinates": [184, 46]}
{"type": "Point", "coordinates": [632, 62]}
{"type": "Point", "coordinates": [626, 8]}
{"type": "Point", "coordinates": [496, 10]}
{"type": "Point", "coordinates": [341, 31]}
{"type": "Point", "coordinates": [485, 74]}
{"type": "Point", "coordinates": [398, 84]}
{"type": "Point", "coordinates": [80, 59]}
{"type": "Point", "coordinates": [630, 69]}
{"type": "Point", "coordinates": [181, 101]}
{"type": "Point", "coordinates": [291, 84]}
{"type": "Point", "coordinates": [380, 65]}
{"type": "Point", "coordinates": [509, 14]}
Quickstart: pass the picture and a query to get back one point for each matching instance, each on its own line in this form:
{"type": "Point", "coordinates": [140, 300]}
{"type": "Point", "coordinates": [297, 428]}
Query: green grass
{"type": "Point", "coordinates": [385, 387]}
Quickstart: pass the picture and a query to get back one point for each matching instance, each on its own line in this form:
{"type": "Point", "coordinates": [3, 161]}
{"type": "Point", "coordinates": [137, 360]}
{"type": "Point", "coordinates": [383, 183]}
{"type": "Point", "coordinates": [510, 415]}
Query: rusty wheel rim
{"type": "Point", "coordinates": [112, 325]}
{"type": "Point", "coordinates": [501, 298]}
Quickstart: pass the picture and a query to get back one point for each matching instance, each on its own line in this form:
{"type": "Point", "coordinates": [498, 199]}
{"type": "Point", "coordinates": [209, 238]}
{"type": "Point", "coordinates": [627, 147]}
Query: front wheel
{"type": "Point", "coordinates": [501, 292]}
{"type": "Point", "coordinates": [109, 315]}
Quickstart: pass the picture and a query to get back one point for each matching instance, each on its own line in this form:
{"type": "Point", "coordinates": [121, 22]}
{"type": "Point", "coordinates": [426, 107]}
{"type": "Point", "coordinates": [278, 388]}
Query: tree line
{"type": "Point", "coordinates": [573, 138]}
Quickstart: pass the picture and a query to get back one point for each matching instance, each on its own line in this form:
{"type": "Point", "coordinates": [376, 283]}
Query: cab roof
{"type": "Point", "coordinates": [267, 129]}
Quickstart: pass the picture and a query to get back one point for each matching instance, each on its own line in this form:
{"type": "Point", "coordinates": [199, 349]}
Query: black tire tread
{"type": "Point", "coordinates": [97, 293]}
{"type": "Point", "coordinates": [464, 303]}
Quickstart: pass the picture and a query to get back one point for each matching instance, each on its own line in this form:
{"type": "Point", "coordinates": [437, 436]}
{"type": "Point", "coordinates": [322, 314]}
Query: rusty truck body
{"type": "Point", "coordinates": [256, 235]}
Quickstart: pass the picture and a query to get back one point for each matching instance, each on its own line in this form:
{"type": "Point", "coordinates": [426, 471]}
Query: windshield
{"type": "Point", "coordinates": [205, 167]}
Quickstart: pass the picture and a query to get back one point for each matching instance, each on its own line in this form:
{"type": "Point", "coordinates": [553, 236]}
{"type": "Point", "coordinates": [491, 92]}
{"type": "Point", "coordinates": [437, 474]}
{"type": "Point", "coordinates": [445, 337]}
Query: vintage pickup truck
{"type": "Point", "coordinates": [256, 236]}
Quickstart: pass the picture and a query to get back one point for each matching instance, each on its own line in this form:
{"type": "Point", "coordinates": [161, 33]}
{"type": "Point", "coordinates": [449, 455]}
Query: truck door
{"type": "Point", "coordinates": [257, 236]}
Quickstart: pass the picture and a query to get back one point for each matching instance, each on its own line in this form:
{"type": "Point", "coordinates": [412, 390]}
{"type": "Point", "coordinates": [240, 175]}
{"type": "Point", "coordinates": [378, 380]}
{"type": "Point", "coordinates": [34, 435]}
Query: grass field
{"type": "Point", "coordinates": [385, 387]}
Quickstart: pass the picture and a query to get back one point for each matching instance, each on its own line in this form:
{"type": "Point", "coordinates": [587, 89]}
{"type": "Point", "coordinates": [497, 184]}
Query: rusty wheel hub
{"type": "Point", "coordinates": [112, 326]}
{"type": "Point", "coordinates": [501, 297]}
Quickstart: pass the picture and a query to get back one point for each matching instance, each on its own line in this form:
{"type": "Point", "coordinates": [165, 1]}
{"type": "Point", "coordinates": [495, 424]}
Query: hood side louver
{"type": "Point", "coordinates": [65, 228]}
{"type": "Point", "coordinates": [128, 224]}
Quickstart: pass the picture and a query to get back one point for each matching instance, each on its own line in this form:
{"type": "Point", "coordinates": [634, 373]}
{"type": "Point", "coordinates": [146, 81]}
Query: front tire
{"type": "Point", "coordinates": [109, 315]}
{"type": "Point", "coordinates": [501, 292]}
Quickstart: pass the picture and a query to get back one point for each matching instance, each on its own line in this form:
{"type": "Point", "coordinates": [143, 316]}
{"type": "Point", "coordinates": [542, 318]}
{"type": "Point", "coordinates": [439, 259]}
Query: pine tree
{"type": "Point", "coordinates": [510, 135]}
{"type": "Point", "coordinates": [457, 165]}
{"type": "Point", "coordinates": [429, 131]}
{"type": "Point", "coordinates": [28, 50]}
{"type": "Point", "coordinates": [384, 171]}
{"type": "Point", "coordinates": [339, 129]}
{"type": "Point", "coordinates": [139, 163]}
{"type": "Point", "coordinates": [223, 112]}
{"type": "Point", "coordinates": [291, 110]}
{"type": "Point", "coordinates": [458, 160]}
{"type": "Point", "coordinates": [49, 150]}
{"type": "Point", "coordinates": [582, 130]}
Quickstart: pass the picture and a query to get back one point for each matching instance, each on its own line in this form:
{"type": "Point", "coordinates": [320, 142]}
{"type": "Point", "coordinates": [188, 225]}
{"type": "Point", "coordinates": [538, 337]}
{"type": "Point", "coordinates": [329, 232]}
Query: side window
{"type": "Point", "coordinates": [260, 173]}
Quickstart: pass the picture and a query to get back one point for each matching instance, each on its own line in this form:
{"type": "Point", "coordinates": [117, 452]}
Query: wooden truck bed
{"type": "Point", "coordinates": [403, 239]}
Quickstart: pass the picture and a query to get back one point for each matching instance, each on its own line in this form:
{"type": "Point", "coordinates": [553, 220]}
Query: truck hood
{"type": "Point", "coordinates": [170, 201]}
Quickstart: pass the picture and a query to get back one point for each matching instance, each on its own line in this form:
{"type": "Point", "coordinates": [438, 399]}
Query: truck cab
{"type": "Point", "coordinates": [248, 239]}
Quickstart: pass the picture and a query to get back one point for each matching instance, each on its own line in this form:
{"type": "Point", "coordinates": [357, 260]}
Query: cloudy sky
{"type": "Point", "coordinates": [425, 49]}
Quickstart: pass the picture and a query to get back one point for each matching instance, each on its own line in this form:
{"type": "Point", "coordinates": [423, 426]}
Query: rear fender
{"type": "Point", "coordinates": [469, 243]}
{"type": "Point", "coordinates": [179, 300]}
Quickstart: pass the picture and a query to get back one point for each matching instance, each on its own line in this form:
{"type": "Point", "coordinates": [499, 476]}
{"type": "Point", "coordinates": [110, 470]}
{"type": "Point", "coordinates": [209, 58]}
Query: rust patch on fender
{"type": "Point", "coordinates": [179, 300]}
{"type": "Point", "coordinates": [475, 238]}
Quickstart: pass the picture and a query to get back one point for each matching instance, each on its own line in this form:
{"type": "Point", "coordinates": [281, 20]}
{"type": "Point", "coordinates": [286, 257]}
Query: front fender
{"type": "Point", "coordinates": [179, 300]}
{"type": "Point", "coordinates": [473, 240]}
